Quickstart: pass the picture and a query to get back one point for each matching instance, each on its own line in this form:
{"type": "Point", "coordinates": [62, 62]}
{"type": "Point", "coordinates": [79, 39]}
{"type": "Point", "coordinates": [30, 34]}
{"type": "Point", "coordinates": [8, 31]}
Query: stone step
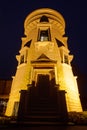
{"type": "Point", "coordinates": [41, 113]}
{"type": "Point", "coordinates": [42, 118]}
{"type": "Point", "coordinates": [44, 123]}
{"type": "Point", "coordinates": [42, 108]}
{"type": "Point", "coordinates": [43, 105]}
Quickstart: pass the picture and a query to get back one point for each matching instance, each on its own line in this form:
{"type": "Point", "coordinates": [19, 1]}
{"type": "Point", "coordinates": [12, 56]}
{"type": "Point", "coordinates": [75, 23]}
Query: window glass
{"type": "Point", "coordinates": [65, 59]}
{"type": "Point", "coordinates": [44, 35]}
{"type": "Point", "coordinates": [22, 59]}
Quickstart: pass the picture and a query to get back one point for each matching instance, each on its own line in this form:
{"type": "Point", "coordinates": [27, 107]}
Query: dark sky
{"type": "Point", "coordinates": [12, 16]}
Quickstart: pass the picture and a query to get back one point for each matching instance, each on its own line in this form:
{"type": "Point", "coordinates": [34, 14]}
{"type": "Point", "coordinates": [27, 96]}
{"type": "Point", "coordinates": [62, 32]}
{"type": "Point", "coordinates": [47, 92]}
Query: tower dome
{"type": "Point", "coordinates": [52, 15]}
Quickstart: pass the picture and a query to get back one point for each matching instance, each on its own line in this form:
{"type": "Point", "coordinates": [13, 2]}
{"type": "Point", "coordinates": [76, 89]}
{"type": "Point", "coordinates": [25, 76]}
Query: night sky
{"type": "Point", "coordinates": [12, 16]}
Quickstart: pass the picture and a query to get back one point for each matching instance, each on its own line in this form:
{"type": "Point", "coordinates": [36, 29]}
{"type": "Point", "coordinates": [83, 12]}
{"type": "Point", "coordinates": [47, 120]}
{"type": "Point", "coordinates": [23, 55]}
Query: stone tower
{"type": "Point", "coordinates": [44, 54]}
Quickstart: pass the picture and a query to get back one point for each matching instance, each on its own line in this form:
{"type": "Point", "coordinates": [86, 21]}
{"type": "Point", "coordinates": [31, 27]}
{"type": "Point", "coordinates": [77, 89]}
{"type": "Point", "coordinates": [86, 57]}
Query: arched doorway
{"type": "Point", "coordinates": [44, 75]}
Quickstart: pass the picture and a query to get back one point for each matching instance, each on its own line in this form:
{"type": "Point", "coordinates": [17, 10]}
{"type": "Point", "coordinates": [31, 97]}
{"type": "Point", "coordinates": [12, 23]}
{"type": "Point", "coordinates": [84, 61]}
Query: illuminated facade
{"type": "Point", "coordinates": [44, 51]}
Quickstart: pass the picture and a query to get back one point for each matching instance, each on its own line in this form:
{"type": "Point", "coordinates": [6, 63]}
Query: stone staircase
{"type": "Point", "coordinates": [43, 104]}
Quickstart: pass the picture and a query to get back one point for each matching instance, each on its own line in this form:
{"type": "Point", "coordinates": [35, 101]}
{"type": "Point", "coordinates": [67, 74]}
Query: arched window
{"type": "Point", "coordinates": [44, 35]}
{"type": "Point", "coordinates": [66, 59]}
{"type": "Point", "coordinates": [44, 19]}
{"type": "Point", "coordinates": [22, 59]}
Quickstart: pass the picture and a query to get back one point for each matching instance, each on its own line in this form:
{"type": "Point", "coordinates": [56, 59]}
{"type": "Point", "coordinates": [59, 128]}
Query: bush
{"type": "Point", "coordinates": [4, 120]}
{"type": "Point", "coordinates": [77, 117]}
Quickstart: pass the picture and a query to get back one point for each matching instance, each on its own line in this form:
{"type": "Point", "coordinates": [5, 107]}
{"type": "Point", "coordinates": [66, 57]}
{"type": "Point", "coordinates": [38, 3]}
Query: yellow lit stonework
{"type": "Point", "coordinates": [44, 50]}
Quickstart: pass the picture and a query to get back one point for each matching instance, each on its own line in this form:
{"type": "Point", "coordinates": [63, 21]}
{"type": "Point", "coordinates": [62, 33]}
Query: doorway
{"type": "Point", "coordinates": [43, 84]}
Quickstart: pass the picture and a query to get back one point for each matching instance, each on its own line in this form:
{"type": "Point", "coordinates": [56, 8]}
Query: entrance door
{"type": "Point", "coordinates": [43, 84]}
